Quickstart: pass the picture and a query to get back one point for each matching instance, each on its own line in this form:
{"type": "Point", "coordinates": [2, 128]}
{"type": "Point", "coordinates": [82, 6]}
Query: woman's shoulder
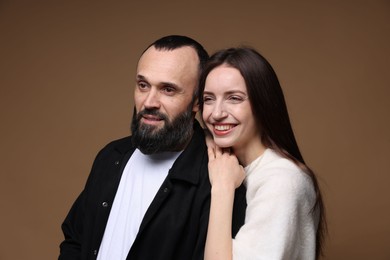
{"type": "Point", "coordinates": [271, 163]}
{"type": "Point", "coordinates": [280, 174]}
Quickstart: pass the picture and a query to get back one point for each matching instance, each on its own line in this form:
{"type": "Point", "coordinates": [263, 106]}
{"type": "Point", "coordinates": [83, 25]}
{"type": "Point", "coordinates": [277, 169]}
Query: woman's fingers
{"type": "Point", "coordinates": [215, 150]}
{"type": "Point", "coordinates": [210, 141]}
{"type": "Point", "coordinates": [218, 151]}
{"type": "Point", "coordinates": [211, 153]}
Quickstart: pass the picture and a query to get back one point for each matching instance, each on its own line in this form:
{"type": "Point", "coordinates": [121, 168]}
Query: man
{"type": "Point", "coordinates": [148, 195]}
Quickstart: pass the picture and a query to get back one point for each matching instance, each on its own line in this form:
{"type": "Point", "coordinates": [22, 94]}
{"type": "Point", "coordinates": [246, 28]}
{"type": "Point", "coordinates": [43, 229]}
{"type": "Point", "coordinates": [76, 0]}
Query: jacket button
{"type": "Point", "coordinates": [166, 190]}
{"type": "Point", "coordinates": [105, 204]}
{"type": "Point", "coordinates": [95, 252]}
{"type": "Point", "coordinates": [116, 162]}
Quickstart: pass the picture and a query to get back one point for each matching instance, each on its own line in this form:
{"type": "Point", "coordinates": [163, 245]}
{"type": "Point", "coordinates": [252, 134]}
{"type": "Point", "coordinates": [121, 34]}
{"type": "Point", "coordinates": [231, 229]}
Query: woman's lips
{"type": "Point", "coordinates": [223, 129]}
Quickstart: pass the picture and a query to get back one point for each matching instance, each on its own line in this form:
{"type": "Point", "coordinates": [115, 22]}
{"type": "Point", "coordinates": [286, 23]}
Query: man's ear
{"type": "Point", "coordinates": [195, 106]}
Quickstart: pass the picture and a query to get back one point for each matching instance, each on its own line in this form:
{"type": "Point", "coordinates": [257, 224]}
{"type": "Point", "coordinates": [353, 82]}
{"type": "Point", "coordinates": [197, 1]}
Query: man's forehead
{"type": "Point", "coordinates": [169, 64]}
{"type": "Point", "coordinates": [182, 55]}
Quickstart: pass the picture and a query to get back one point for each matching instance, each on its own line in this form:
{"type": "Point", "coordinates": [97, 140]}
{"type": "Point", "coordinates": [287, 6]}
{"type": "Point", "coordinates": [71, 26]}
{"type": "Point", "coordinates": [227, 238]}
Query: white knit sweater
{"type": "Point", "coordinates": [278, 223]}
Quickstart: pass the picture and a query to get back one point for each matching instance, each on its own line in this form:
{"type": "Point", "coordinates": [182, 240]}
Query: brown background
{"type": "Point", "coordinates": [67, 75]}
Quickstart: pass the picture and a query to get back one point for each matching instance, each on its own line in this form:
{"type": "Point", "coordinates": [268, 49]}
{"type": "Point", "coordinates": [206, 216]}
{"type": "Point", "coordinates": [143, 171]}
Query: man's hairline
{"type": "Point", "coordinates": [169, 50]}
{"type": "Point", "coordinates": [165, 49]}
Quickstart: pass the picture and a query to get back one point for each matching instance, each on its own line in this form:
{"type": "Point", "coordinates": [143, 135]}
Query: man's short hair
{"type": "Point", "coordinates": [172, 42]}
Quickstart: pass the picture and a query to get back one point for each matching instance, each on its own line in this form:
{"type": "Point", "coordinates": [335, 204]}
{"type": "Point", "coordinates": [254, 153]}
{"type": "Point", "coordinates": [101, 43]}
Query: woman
{"type": "Point", "coordinates": [244, 109]}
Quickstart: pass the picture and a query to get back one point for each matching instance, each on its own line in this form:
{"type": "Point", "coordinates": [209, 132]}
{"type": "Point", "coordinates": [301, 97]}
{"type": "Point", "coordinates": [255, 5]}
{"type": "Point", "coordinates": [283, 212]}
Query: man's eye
{"type": "Point", "coordinates": [142, 85]}
{"type": "Point", "coordinates": [169, 90]}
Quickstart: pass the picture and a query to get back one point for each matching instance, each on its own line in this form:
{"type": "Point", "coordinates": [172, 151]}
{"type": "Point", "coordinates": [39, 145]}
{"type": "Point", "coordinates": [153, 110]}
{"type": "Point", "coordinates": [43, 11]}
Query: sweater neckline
{"type": "Point", "coordinates": [253, 165]}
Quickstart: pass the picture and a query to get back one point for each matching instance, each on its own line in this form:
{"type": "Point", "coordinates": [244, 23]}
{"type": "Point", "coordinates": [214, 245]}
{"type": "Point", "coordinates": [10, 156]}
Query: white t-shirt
{"type": "Point", "coordinates": [140, 181]}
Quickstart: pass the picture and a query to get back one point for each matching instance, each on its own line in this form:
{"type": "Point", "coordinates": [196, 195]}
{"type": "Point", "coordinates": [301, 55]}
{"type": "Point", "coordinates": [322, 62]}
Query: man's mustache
{"type": "Point", "coordinates": [152, 112]}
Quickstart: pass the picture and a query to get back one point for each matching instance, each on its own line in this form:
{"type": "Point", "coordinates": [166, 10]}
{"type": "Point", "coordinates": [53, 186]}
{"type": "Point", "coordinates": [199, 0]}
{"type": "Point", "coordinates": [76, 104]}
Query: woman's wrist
{"type": "Point", "coordinates": [223, 188]}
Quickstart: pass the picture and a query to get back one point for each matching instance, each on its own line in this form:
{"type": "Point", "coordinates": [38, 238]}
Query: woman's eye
{"type": "Point", "coordinates": [235, 99]}
{"type": "Point", "coordinates": [207, 99]}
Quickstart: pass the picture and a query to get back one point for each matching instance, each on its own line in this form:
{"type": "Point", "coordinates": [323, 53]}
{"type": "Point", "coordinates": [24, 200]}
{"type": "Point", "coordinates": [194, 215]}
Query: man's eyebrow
{"type": "Point", "coordinates": [169, 84]}
{"type": "Point", "coordinates": [163, 83]}
{"type": "Point", "coordinates": [140, 77]}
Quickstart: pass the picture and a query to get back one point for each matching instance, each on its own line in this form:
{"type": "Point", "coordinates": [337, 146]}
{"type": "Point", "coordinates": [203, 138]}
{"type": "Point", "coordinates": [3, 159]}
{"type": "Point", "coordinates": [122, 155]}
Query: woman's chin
{"type": "Point", "coordinates": [223, 144]}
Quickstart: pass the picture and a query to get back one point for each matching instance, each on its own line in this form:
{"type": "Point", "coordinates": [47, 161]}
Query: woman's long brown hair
{"type": "Point", "coordinates": [270, 112]}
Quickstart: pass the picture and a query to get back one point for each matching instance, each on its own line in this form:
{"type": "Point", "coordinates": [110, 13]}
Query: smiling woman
{"type": "Point", "coordinates": [244, 109]}
{"type": "Point", "coordinates": [228, 114]}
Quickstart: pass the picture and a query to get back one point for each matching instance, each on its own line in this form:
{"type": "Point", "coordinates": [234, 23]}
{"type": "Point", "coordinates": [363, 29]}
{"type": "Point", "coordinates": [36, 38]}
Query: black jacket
{"type": "Point", "coordinates": [175, 224]}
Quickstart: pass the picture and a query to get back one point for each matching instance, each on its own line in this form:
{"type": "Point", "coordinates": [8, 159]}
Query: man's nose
{"type": "Point", "coordinates": [152, 99]}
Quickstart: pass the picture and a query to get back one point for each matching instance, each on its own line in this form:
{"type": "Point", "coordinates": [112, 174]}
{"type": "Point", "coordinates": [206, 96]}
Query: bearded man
{"type": "Point", "coordinates": [148, 195]}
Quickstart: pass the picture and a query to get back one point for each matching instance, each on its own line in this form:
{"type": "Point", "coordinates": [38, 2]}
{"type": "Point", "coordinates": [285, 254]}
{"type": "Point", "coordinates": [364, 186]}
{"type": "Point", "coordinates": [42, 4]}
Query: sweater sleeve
{"type": "Point", "coordinates": [279, 222]}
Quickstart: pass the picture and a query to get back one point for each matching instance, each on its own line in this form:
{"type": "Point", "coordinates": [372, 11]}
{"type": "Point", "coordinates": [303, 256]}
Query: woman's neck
{"type": "Point", "coordinates": [248, 153]}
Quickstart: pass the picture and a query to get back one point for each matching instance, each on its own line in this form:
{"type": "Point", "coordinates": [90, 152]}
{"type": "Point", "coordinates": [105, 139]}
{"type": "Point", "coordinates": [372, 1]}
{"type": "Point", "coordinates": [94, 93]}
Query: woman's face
{"type": "Point", "coordinates": [227, 111]}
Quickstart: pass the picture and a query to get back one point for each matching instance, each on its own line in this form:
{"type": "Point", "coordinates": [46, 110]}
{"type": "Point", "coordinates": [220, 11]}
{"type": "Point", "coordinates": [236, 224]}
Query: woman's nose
{"type": "Point", "coordinates": [219, 111]}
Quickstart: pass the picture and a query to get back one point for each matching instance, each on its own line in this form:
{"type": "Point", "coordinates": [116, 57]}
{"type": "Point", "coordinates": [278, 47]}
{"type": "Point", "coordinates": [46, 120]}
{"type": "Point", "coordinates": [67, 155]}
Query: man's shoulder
{"type": "Point", "coordinates": [121, 141]}
{"type": "Point", "coordinates": [121, 145]}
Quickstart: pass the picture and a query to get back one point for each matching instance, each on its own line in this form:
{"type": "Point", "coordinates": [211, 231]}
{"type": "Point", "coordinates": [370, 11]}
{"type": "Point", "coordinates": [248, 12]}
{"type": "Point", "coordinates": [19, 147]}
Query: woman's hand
{"type": "Point", "coordinates": [224, 168]}
{"type": "Point", "coordinates": [225, 174]}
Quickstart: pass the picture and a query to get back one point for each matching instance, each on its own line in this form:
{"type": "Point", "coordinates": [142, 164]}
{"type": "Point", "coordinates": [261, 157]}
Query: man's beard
{"type": "Point", "coordinates": [173, 136]}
